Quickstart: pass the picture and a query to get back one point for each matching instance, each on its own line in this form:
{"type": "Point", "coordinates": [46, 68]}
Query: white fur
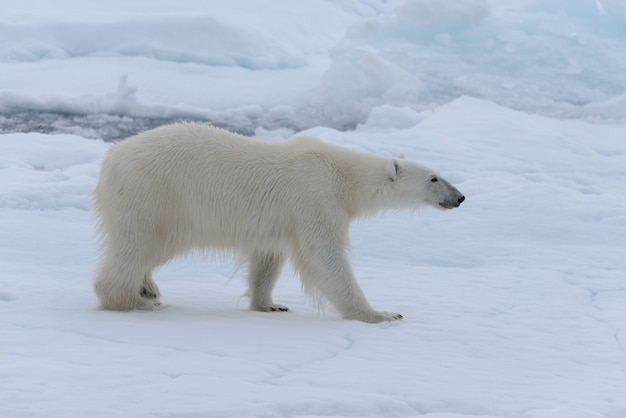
{"type": "Point", "coordinates": [188, 187]}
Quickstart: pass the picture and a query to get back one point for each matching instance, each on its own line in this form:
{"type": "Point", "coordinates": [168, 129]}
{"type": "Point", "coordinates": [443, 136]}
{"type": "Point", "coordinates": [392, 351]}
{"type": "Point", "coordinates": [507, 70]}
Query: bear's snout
{"type": "Point", "coordinates": [452, 203]}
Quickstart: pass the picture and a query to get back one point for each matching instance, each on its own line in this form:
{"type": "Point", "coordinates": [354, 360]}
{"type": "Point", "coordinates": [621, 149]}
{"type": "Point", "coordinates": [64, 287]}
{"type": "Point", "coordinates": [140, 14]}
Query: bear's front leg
{"type": "Point", "coordinates": [324, 267]}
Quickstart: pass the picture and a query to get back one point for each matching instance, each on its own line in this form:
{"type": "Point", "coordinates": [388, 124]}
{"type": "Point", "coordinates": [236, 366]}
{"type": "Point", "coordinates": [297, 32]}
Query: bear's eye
{"type": "Point", "coordinates": [434, 179]}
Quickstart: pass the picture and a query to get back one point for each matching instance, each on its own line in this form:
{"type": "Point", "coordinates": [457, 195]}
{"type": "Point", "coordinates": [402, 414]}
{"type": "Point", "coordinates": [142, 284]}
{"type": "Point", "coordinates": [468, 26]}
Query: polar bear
{"type": "Point", "coordinates": [188, 186]}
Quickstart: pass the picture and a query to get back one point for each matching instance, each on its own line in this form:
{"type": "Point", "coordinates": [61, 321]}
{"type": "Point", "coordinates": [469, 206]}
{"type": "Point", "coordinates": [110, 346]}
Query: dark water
{"type": "Point", "coordinates": [99, 126]}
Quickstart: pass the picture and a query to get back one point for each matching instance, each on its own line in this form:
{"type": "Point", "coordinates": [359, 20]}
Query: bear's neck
{"type": "Point", "coordinates": [366, 185]}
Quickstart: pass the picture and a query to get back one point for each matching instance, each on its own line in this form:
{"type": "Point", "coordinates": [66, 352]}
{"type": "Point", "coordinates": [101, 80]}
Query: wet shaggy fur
{"type": "Point", "coordinates": [185, 187]}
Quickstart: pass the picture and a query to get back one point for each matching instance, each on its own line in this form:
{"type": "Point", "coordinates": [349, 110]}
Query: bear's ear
{"type": "Point", "coordinates": [401, 156]}
{"type": "Point", "coordinates": [392, 169]}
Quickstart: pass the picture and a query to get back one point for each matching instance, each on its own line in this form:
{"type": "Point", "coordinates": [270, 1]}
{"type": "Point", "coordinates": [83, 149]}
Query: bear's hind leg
{"type": "Point", "coordinates": [264, 269]}
{"type": "Point", "coordinates": [124, 283]}
{"type": "Point", "coordinates": [149, 289]}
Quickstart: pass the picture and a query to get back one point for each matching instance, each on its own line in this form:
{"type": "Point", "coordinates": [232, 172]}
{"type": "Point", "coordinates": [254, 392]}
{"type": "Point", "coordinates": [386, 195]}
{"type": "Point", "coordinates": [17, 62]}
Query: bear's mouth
{"type": "Point", "coordinates": [448, 205]}
{"type": "Point", "coordinates": [451, 204]}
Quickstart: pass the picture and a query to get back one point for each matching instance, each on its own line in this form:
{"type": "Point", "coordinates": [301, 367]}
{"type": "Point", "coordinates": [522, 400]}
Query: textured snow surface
{"type": "Point", "coordinates": [513, 304]}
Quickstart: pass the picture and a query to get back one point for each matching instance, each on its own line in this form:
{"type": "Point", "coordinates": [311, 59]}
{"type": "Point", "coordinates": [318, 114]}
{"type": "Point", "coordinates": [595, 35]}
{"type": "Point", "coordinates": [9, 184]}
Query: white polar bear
{"type": "Point", "coordinates": [185, 187]}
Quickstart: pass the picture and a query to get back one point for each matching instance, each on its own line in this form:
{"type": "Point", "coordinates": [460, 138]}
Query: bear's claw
{"type": "Point", "coordinates": [148, 293]}
{"type": "Point", "coordinates": [272, 308]}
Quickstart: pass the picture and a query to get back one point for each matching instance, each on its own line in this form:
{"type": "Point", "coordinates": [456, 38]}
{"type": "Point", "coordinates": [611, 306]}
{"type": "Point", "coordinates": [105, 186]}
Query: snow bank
{"type": "Point", "coordinates": [203, 40]}
{"type": "Point", "coordinates": [548, 58]}
{"type": "Point", "coordinates": [47, 172]}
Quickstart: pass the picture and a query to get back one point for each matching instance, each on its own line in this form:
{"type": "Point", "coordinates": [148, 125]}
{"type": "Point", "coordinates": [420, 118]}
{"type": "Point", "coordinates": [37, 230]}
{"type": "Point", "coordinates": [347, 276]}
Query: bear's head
{"type": "Point", "coordinates": [415, 185]}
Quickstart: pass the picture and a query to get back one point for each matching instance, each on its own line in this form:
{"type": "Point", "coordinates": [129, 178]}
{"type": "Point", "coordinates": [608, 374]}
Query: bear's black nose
{"type": "Point", "coordinates": [461, 199]}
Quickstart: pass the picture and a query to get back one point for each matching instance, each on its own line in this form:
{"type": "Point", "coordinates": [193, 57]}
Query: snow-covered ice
{"type": "Point", "coordinates": [514, 303]}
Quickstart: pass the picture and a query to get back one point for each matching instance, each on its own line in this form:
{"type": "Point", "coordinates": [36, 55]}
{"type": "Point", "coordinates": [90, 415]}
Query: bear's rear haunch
{"type": "Point", "coordinates": [185, 187]}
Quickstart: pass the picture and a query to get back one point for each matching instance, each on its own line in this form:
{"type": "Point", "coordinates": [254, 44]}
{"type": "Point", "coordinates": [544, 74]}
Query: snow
{"type": "Point", "coordinates": [330, 62]}
{"type": "Point", "coordinates": [513, 303]}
